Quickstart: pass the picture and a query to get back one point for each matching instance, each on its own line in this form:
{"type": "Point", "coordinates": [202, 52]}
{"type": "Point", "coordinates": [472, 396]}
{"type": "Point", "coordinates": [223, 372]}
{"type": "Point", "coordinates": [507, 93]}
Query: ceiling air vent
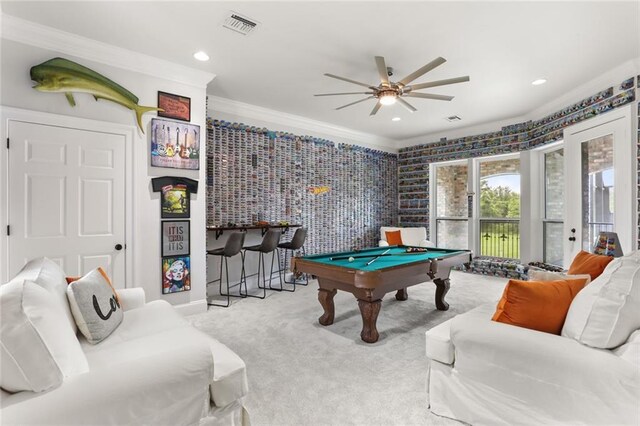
{"type": "Point", "coordinates": [239, 23]}
{"type": "Point", "coordinates": [453, 118]}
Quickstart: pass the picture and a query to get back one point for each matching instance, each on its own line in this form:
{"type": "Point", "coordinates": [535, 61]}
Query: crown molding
{"type": "Point", "coordinates": [33, 34]}
{"type": "Point", "coordinates": [266, 115]}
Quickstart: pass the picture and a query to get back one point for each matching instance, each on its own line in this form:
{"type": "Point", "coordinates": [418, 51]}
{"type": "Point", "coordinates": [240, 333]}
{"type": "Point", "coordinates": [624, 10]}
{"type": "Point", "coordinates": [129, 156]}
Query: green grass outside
{"type": "Point", "coordinates": [497, 247]}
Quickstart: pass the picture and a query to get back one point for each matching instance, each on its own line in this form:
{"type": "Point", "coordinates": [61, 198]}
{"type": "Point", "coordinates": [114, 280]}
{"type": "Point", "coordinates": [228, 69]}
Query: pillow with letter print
{"type": "Point", "coordinates": [95, 305]}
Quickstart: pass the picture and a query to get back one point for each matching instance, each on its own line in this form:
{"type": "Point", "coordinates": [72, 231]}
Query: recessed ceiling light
{"type": "Point", "coordinates": [201, 56]}
{"type": "Point", "coordinates": [396, 119]}
{"type": "Point", "coordinates": [539, 81]}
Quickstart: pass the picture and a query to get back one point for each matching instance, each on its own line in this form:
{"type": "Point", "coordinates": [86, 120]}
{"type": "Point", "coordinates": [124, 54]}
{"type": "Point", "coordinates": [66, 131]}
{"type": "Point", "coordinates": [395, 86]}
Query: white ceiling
{"type": "Point", "coordinates": [502, 46]}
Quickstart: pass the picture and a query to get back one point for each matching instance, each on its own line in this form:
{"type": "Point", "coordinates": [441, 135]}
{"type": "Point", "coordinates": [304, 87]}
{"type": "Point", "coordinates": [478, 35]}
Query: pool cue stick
{"type": "Point", "coordinates": [374, 255]}
{"type": "Point", "coordinates": [376, 258]}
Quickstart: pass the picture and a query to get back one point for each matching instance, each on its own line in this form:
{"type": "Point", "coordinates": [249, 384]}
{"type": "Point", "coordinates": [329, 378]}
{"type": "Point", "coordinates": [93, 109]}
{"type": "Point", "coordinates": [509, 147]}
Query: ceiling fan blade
{"type": "Point", "coordinates": [429, 96]}
{"type": "Point", "coordinates": [425, 69]}
{"type": "Point", "coordinates": [348, 80]}
{"type": "Point", "coordinates": [345, 93]}
{"type": "Point", "coordinates": [437, 83]}
{"type": "Point", "coordinates": [406, 104]}
{"type": "Point", "coordinates": [375, 109]}
{"type": "Point", "coordinates": [356, 102]}
{"type": "Point", "coordinates": [382, 70]}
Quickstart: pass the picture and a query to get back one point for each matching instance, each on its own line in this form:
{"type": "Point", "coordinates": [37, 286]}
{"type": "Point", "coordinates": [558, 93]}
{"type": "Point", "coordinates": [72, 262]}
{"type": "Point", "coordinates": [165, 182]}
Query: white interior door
{"type": "Point", "coordinates": [598, 185]}
{"type": "Point", "coordinates": [67, 198]}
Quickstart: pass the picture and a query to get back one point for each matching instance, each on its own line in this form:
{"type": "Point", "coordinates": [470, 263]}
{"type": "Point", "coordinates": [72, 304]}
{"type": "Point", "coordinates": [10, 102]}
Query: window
{"type": "Point", "coordinates": [500, 208]}
{"type": "Point", "coordinates": [452, 228]}
{"type": "Point", "coordinates": [597, 189]}
{"type": "Point", "coordinates": [553, 241]}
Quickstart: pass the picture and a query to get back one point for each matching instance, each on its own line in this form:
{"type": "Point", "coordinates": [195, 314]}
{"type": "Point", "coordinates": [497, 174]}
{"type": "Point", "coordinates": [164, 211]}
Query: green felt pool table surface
{"type": "Point", "coordinates": [369, 283]}
{"type": "Point", "coordinates": [398, 256]}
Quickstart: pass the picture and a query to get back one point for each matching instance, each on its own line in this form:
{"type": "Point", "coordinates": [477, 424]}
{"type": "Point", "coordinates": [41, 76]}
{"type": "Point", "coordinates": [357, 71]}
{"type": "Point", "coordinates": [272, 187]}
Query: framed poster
{"type": "Point", "coordinates": [175, 202]}
{"type": "Point", "coordinates": [175, 238]}
{"type": "Point", "coordinates": [175, 145]}
{"type": "Point", "coordinates": [176, 274]}
{"type": "Point", "coordinates": [174, 106]}
{"type": "Point", "coordinates": [175, 193]}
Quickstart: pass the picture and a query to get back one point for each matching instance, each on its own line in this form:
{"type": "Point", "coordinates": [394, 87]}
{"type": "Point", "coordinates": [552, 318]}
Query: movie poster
{"type": "Point", "coordinates": [175, 201]}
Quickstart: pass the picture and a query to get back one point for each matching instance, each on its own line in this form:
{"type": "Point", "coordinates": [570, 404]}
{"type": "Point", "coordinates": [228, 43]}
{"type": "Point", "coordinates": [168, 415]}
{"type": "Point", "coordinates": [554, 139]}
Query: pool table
{"type": "Point", "coordinates": [370, 282]}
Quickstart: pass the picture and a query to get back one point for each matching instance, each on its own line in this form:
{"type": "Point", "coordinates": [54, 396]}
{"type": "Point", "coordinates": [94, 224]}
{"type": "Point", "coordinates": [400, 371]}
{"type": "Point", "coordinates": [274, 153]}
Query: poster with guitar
{"type": "Point", "coordinates": [175, 145]}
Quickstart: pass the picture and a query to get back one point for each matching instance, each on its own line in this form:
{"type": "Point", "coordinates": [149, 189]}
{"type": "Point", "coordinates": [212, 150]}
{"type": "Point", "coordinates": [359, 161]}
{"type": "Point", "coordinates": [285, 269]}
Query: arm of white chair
{"type": "Point", "coordinates": [382, 243]}
{"type": "Point", "coordinates": [131, 298]}
{"type": "Point", "coordinates": [488, 348]}
{"type": "Point", "coordinates": [426, 243]}
{"type": "Point", "coordinates": [142, 390]}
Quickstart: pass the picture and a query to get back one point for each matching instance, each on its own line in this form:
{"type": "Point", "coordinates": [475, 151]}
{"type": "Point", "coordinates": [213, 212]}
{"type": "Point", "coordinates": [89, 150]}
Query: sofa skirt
{"type": "Point", "coordinates": [234, 414]}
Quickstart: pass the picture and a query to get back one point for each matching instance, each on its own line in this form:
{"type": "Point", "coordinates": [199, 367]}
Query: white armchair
{"type": "Point", "coordinates": [416, 237]}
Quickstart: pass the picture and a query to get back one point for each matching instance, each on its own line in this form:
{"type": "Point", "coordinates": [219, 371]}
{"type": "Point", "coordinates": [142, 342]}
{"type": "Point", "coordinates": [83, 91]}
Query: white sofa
{"type": "Point", "coordinates": [416, 237]}
{"type": "Point", "coordinates": [485, 372]}
{"type": "Point", "coordinates": [155, 368]}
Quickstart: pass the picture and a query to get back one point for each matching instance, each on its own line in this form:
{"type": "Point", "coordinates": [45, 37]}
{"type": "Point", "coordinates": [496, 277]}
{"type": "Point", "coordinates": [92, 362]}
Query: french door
{"type": "Point", "coordinates": [598, 184]}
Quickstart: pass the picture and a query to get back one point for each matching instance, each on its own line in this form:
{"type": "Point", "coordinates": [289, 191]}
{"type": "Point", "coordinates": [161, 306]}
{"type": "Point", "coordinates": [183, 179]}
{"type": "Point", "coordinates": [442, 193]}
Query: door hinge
{"type": "Point", "coordinates": [7, 143]}
{"type": "Point", "coordinates": [8, 229]}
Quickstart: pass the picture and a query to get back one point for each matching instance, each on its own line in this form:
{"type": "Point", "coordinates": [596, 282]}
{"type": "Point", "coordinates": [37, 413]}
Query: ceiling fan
{"type": "Point", "coordinates": [388, 92]}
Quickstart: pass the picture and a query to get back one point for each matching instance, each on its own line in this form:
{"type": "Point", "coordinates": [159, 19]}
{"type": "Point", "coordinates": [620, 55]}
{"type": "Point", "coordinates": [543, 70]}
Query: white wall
{"type": "Point", "coordinates": [16, 91]}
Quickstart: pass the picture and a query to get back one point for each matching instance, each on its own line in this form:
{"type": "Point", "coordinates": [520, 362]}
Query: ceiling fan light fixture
{"type": "Point", "coordinates": [388, 99]}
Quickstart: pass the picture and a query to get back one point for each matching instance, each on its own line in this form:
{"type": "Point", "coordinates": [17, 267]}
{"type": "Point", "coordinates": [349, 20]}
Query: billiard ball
{"type": "Point", "coordinates": [351, 259]}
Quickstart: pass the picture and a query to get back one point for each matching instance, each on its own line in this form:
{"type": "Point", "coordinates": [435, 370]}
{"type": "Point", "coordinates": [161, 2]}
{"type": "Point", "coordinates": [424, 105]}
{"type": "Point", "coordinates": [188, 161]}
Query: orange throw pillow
{"type": "Point", "coordinates": [589, 263]}
{"type": "Point", "coordinates": [537, 305]}
{"type": "Point", "coordinates": [393, 238]}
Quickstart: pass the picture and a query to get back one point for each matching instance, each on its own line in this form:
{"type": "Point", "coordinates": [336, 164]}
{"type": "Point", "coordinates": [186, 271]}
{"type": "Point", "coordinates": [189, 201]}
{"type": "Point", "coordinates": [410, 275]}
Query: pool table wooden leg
{"type": "Point", "coordinates": [369, 312]}
{"type": "Point", "coordinates": [402, 294]}
{"type": "Point", "coordinates": [442, 287]}
{"type": "Point", "coordinates": [325, 297]}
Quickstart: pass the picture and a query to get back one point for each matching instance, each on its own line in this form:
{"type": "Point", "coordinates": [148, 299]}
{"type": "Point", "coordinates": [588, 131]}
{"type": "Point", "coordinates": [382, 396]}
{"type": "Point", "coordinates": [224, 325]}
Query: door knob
{"type": "Point", "coordinates": [118, 247]}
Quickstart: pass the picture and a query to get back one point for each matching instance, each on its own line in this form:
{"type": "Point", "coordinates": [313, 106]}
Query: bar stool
{"type": "Point", "coordinates": [269, 245]}
{"type": "Point", "coordinates": [296, 243]}
{"type": "Point", "coordinates": [231, 248]}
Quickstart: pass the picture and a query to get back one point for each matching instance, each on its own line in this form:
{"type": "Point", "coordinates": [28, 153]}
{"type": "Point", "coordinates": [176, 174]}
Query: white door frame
{"type": "Point", "coordinates": [8, 114]}
{"type": "Point", "coordinates": [433, 196]}
{"type": "Point", "coordinates": [624, 155]}
{"type": "Point", "coordinates": [476, 198]}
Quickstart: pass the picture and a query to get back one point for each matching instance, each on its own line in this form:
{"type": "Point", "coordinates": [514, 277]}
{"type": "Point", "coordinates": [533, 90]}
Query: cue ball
{"type": "Point", "coordinates": [351, 259]}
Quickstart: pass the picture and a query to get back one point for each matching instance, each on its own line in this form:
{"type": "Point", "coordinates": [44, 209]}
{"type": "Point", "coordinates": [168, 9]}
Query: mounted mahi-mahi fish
{"type": "Point", "coordinates": [64, 76]}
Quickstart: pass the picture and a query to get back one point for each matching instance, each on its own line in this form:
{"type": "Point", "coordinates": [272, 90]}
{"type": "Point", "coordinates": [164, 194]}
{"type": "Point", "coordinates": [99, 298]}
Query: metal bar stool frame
{"type": "Point", "coordinates": [296, 243]}
{"type": "Point", "coordinates": [268, 245]}
{"type": "Point", "coordinates": [238, 241]}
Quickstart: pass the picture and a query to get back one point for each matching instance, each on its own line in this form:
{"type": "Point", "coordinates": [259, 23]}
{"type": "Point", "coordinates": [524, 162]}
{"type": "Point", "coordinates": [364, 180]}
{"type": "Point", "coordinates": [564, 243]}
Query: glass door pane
{"type": "Point", "coordinates": [553, 243]}
{"type": "Point", "coordinates": [452, 225]}
{"type": "Point", "coordinates": [597, 188]}
{"type": "Point", "coordinates": [500, 208]}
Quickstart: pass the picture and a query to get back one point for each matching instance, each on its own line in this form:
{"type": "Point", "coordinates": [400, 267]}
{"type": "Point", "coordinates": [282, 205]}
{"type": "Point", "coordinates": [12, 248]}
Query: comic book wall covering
{"type": "Point", "coordinates": [342, 193]}
{"type": "Point", "coordinates": [413, 161]}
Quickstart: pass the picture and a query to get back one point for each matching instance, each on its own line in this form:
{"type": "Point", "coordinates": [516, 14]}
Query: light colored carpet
{"type": "Point", "coordinates": [301, 373]}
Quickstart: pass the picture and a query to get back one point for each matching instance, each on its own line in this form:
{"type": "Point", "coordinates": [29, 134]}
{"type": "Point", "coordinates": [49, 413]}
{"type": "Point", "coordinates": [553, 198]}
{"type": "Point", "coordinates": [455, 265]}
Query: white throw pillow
{"type": "Point", "coordinates": [48, 275]}
{"type": "Point", "coordinates": [606, 312]}
{"type": "Point", "coordinates": [95, 305]}
{"type": "Point", "coordinates": [542, 275]}
{"type": "Point", "coordinates": [38, 348]}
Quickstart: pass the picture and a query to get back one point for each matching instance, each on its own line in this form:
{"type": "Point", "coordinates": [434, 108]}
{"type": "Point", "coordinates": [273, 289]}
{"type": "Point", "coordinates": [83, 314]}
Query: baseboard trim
{"type": "Point", "coordinates": [191, 308]}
